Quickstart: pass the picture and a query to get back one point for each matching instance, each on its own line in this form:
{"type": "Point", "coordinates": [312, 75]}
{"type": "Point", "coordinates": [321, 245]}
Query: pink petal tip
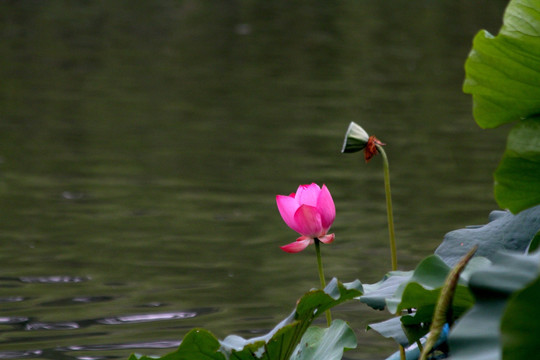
{"type": "Point", "coordinates": [296, 246]}
{"type": "Point", "coordinates": [327, 239]}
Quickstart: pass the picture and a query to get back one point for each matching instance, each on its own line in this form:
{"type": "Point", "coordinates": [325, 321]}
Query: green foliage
{"type": "Point", "coordinates": [504, 231]}
{"type": "Point", "coordinates": [517, 179]}
{"type": "Point", "coordinates": [477, 334]}
{"type": "Point", "coordinates": [503, 76]}
{"type": "Point", "coordinates": [282, 341]}
{"type": "Point", "coordinates": [329, 344]}
{"type": "Point", "coordinates": [422, 290]}
{"type": "Point", "coordinates": [375, 295]}
{"type": "Point", "coordinates": [394, 329]}
{"type": "Point", "coordinates": [520, 333]}
{"type": "Point", "coordinates": [198, 344]}
{"type": "Point", "coordinates": [503, 71]}
{"type": "Point", "coordinates": [418, 290]}
{"type": "Point", "coordinates": [442, 314]}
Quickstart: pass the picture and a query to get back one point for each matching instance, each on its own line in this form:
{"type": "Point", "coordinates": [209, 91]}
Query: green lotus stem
{"type": "Point", "coordinates": [321, 276]}
{"type": "Point", "coordinates": [389, 211]}
{"type": "Point", "coordinates": [390, 219]}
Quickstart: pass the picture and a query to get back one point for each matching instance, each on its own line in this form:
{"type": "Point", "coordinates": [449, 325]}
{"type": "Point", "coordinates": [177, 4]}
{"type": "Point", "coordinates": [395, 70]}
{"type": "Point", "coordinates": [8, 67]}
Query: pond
{"type": "Point", "coordinates": [142, 145]}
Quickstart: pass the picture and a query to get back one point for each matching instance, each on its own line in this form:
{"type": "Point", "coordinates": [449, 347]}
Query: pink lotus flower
{"type": "Point", "coordinates": [310, 212]}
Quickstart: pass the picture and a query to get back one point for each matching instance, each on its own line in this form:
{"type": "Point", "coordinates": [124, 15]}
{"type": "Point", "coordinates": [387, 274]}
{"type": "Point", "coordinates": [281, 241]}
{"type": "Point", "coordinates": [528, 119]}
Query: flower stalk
{"type": "Point", "coordinates": [357, 139]}
{"type": "Point", "coordinates": [321, 277]}
{"type": "Point", "coordinates": [389, 209]}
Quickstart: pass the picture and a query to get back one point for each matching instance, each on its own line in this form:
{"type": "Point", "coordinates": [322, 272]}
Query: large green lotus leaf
{"type": "Point", "coordinates": [477, 334]}
{"type": "Point", "coordinates": [391, 329]}
{"type": "Point", "coordinates": [328, 344]}
{"type": "Point", "coordinates": [418, 290]}
{"type": "Point", "coordinates": [375, 295]}
{"type": "Point", "coordinates": [404, 335]}
{"type": "Point", "coordinates": [520, 327]}
{"type": "Point", "coordinates": [503, 72]}
{"type": "Point", "coordinates": [281, 341]}
{"type": "Point", "coordinates": [425, 301]}
{"type": "Point", "coordinates": [428, 275]}
{"type": "Point", "coordinates": [316, 302]}
{"type": "Point", "coordinates": [504, 231]}
{"type": "Point", "coordinates": [198, 344]}
{"type": "Point", "coordinates": [517, 179]}
{"type": "Point", "coordinates": [421, 291]}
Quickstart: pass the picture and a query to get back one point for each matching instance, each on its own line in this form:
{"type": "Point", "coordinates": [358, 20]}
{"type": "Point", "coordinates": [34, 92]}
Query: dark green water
{"type": "Point", "coordinates": [142, 145]}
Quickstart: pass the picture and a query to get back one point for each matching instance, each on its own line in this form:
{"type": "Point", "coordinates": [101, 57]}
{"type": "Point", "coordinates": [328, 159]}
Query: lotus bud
{"type": "Point", "coordinates": [356, 139]}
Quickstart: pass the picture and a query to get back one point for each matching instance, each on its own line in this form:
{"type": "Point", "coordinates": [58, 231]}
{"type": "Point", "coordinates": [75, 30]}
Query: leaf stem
{"type": "Point", "coordinates": [402, 354]}
{"type": "Point", "coordinates": [389, 211]}
{"type": "Point", "coordinates": [444, 303]}
{"type": "Point", "coordinates": [321, 276]}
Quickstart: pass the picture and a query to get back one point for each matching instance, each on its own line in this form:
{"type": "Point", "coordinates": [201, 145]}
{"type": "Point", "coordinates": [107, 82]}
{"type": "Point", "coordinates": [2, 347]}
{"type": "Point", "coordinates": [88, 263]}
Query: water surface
{"type": "Point", "coordinates": [142, 146]}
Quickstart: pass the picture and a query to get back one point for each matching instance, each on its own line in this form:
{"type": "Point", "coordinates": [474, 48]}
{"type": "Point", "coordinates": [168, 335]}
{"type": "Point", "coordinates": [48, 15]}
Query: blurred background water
{"type": "Point", "coordinates": [142, 145]}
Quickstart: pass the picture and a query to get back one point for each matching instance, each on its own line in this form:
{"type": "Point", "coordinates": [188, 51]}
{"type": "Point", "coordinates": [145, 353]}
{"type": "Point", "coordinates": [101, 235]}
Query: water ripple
{"type": "Point", "coordinates": [92, 299]}
{"type": "Point", "coordinates": [164, 344]}
{"type": "Point", "coordinates": [20, 354]}
{"type": "Point", "coordinates": [61, 352]}
{"type": "Point", "coordinates": [9, 320]}
{"type": "Point", "coordinates": [53, 279]}
{"type": "Point", "coordinates": [9, 299]}
{"type": "Point", "coordinates": [77, 300]}
{"type": "Point", "coordinates": [24, 354]}
{"type": "Point", "coordinates": [138, 318]}
{"type": "Point", "coordinates": [52, 326]}
{"type": "Point", "coordinates": [33, 325]}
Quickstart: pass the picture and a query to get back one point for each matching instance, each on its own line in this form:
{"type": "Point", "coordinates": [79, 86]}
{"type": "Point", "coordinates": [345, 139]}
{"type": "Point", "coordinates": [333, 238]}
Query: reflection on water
{"type": "Point", "coordinates": [147, 317]}
{"type": "Point", "coordinates": [53, 279]}
{"type": "Point", "coordinates": [60, 331]}
{"type": "Point", "coordinates": [142, 145]}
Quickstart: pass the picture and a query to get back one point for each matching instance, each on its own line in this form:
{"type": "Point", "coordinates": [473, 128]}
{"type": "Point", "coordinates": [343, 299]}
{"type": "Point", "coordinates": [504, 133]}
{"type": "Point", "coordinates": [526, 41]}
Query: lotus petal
{"type": "Point", "coordinates": [327, 239]}
{"type": "Point", "coordinates": [308, 221]}
{"type": "Point", "coordinates": [287, 206]}
{"type": "Point", "coordinates": [296, 246]}
{"type": "Point", "coordinates": [308, 194]}
{"type": "Point", "coordinates": [326, 207]}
